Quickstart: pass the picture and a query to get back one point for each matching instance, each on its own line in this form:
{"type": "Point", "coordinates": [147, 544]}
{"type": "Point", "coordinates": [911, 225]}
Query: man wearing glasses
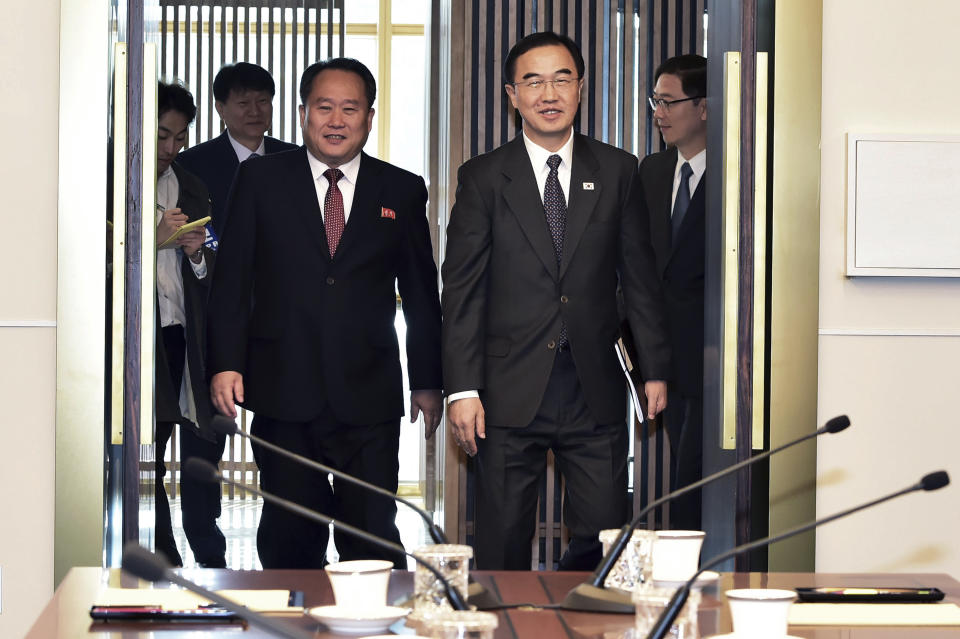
{"type": "Point", "coordinates": [673, 197]}
{"type": "Point", "coordinates": [542, 231]}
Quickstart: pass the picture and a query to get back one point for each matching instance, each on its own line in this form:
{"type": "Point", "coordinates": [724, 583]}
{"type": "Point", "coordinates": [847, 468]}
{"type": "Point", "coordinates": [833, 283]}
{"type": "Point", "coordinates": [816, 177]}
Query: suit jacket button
{"type": "Point", "coordinates": [330, 280]}
{"type": "Point", "coordinates": [564, 299]}
{"type": "Point", "coordinates": [551, 345]}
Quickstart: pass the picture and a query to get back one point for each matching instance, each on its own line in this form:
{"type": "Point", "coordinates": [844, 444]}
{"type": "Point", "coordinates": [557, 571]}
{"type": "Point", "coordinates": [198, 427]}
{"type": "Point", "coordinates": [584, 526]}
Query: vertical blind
{"type": "Point", "coordinates": [623, 42]}
{"type": "Point", "coordinates": [197, 37]}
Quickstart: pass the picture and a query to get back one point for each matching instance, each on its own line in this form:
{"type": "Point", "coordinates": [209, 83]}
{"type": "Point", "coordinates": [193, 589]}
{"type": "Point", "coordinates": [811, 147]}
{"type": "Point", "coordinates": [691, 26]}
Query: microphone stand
{"type": "Point", "coordinates": [933, 481]}
{"type": "Point", "coordinates": [202, 470]}
{"type": "Point", "coordinates": [477, 595]}
{"type": "Point", "coordinates": [593, 596]}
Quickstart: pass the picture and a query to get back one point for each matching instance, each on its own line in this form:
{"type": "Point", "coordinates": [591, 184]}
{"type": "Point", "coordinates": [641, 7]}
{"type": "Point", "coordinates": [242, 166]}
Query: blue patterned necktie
{"type": "Point", "coordinates": [555, 208]}
{"type": "Point", "coordinates": [682, 203]}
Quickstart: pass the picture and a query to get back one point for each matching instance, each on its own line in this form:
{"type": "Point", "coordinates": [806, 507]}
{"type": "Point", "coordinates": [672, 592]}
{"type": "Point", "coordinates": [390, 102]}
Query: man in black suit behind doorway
{"type": "Point", "coordinates": [673, 199]}
{"type": "Point", "coordinates": [243, 94]}
{"type": "Point", "coordinates": [318, 242]}
{"type": "Point", "coordinates": [542, 231]}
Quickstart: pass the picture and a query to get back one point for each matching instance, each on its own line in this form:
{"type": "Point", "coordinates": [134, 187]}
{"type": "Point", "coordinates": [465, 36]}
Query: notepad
{"type": "Point", "coordinates": [174, 599]}
{"type": "Point", "coordinates": [186, 228]}
{"type": "Point", "coordinates": [874, 614]}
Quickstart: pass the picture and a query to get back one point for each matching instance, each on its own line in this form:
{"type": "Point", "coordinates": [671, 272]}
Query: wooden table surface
{"type": "Point", "coordinates": [67, 614]}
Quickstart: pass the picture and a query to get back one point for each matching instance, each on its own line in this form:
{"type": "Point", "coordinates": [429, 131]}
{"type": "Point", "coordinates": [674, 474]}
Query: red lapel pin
{"type": "Point", "coordinates": [388, 213]}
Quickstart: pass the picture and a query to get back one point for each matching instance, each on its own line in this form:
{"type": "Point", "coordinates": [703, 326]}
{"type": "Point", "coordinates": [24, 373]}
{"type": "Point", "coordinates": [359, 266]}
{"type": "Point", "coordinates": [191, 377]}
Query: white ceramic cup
{"type": "Point", "coordinates": [360, 584]}
{"type": "Point", "coordinates": [760, 612]}
{"type": "Point", "coordinates": [676, 554]}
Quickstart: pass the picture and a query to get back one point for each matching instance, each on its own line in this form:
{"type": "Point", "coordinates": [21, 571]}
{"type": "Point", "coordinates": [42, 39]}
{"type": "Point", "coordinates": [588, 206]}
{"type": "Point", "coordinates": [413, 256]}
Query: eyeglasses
{"type": "Point", "coordinates": [660, 102]}
{"type": "Point", "coordinates": [559, 84]}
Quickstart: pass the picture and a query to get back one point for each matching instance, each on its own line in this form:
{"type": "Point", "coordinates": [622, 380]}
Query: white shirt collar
{"type": "Point", "coordinates": [539, 155]}
{"type": "Point", "coordinates": [243, 152]}
{"type": "Point", "coordinates": [698, 163]}
{"type": "Point", "coordinates": [350, 170]}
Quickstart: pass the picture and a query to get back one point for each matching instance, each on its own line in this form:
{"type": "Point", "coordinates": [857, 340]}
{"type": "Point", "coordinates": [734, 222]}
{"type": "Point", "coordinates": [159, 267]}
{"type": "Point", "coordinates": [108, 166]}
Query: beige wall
{"type": "Point", "coordinates": [889, 347]}
{"type": "Point", "coordinates": [29, 50]}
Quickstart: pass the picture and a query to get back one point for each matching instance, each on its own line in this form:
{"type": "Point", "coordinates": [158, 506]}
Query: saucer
{"type": "Point", "coordinates": [706, 578]}
{"type": "Point", "coordinates": [356, 622]}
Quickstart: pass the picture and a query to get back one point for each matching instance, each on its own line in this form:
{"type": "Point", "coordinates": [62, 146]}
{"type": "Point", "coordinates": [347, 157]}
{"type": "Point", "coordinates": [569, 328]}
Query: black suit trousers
{"type": "Point", "coordinates": [684, 422]}
{"type": "Point", "coordinates": [288, 540]}
{"type": "Point", "coordinates": [200, 500]}
{"type": "Point", "coordinates": [592, 458]}
{"type": "Point", "coordinates": [175, 345]}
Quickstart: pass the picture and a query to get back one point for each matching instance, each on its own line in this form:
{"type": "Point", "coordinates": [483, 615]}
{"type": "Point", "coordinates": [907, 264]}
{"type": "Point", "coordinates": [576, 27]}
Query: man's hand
{"type": "Point", "coordinates": [656, 392]}
{"type": "Point", "coordinates": [466, 420]}
{"type": "Point", "coordinates": [430, 403]}
{"type": "Point", "coordinates": [191, 243]}
{"type": "Point", "coordinates": [226, 390]}
{"type": "Point", "coordinates": [170, 221]}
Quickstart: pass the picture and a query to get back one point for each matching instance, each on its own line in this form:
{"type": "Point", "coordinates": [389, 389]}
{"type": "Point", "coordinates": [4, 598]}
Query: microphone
{"type": "Point", "coordinates": [202, 470]}
{"type": "Point", "coordinates": [142, 563]}
{"type": "Point", "coordinates": [933, 481]}
{"type": "Point", "coordinates": [592, 596]}
{"type": "Point", "coordinates": [477, 594]}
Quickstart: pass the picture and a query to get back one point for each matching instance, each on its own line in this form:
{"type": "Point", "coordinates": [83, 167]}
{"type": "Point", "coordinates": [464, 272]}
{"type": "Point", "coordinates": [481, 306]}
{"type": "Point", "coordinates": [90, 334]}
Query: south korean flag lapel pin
{"type": "Point", "coordinates": [588, 186]}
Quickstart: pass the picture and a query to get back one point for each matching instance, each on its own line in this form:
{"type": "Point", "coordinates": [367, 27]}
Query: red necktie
{"type": "Point", "coordinates": [333, 210]}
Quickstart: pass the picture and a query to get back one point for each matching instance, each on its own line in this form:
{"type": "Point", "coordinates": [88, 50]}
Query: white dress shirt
{"type": "Point", "coordinates": [699, 165]}
{"type": "Point", "coordinates": [243, 152]}
{"type": "Point", "coordinates": [538, 158]}
{"type": "Point", "coordinates": [347, 184]}
{"type": "Point", "coordinates": [170, 284]}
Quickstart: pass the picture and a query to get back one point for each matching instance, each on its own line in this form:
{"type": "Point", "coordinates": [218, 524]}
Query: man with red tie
{"type": "Point", "coordinates": [317, 244]}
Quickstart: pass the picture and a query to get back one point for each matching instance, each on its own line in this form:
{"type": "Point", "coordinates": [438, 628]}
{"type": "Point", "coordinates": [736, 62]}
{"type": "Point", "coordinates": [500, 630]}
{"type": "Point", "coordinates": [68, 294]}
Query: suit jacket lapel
{"type": "Point", "coordinates": [581, 200]}
{"type": "Point", "coordinates": [660, 182]}
{"type": "Point", "coordinates": [523, 198]}
{"type": "Point", "coordinates": [230, 161]}
{"type": "Point", "coordinates": [366, 195]}
{"type": "Point", "coordinates": [302, 185]}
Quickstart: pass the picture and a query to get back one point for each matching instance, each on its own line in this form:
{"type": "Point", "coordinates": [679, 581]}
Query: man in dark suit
{"type": "Point", "coordinates": [182, 396]}
{"type": "Point", "coordinates": [673, 199]}
{"type": "Point", "coordinates": [317, 244]}
{"type": "Point", "coordinates": [542, 231]}
{"type": "Point", "coordinates": [243, 95]}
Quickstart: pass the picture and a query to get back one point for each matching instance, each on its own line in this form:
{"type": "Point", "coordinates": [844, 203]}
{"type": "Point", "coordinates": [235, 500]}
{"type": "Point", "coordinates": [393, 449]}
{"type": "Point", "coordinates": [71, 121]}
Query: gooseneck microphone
{"type": "Point", "coordinates": [202, 470]}
{"type": "Point", "coordinates": [142, 563]}
{"type": "Point", "coordinates": [592, 596]}
{"type": "Point", "coordinates": [478, 595]}
{"type": "Point", "coordinates": [227, 426]}
{"type": "Point", "coordinates": [933, 481]}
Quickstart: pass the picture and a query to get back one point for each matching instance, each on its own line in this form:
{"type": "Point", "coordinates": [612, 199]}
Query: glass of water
{"type": "Point", "coordinates": [429, 594]}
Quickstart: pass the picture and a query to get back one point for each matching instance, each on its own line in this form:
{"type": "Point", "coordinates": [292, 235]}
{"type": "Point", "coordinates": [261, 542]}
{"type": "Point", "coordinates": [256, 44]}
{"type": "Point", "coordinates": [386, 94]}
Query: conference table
{"type": "Point", "coordinates": [67, 613]}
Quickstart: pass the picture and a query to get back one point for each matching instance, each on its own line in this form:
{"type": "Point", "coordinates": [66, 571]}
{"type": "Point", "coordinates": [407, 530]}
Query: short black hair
{"type": "Point", "coordinates": [692, 71]}
{"type": "Point", "coordinates": [343, 64]}
{"type": "Point", "coordinates": [242, 76]}
{"type": "Point", "coordinates": [537, 40]}
{"type": "Point", "coordinates": [175, 97]}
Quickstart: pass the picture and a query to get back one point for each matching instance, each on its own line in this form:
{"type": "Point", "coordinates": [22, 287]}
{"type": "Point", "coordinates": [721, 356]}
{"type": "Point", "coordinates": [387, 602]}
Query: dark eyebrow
{"type": "Point", "coordinates": [527, 76]}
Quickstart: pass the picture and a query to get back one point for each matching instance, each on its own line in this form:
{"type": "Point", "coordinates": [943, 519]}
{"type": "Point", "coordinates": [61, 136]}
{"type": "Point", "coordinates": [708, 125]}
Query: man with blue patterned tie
{"type": "Point", "coordinates": [542, 231]}
{"type": "Point", "coordinates": [673, 198]}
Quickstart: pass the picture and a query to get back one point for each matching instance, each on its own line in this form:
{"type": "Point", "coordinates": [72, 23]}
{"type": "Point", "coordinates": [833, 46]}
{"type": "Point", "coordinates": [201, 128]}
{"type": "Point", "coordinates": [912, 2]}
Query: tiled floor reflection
{"type": "Point", "coordinates": [239, 519]}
